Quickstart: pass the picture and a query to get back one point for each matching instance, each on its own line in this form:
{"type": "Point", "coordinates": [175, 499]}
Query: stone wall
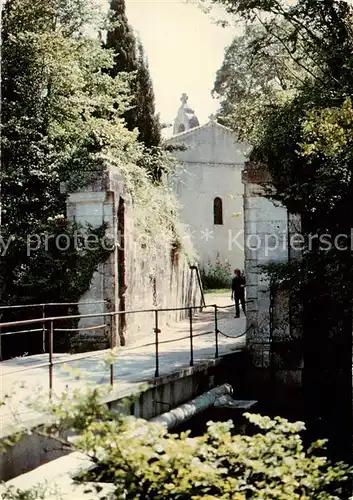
{"type": "Point", "coordinates": [155, 279]}
{"type": "Point", "coordinates": [273, 341]}
{"type": "Point", "coordinates": [265, 232]}
{"type": "Point", "coordinates": [134, 277]}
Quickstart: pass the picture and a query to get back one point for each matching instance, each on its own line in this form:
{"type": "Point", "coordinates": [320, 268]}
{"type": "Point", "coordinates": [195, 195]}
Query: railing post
{"type": "Point", "coordinates": [112, 345]}
{"type": "Point", "coordinates": [191, 339]}
{"type": "Point", "coordinates": [156, 331]}
{"type": "Point", "coordinates": [44, 329]}
{"type": "Point", "coordinates": [200, 285]}
{"type": "Point", "coordinates": [51, 336]}
{"type": "Point", "coordinates": [216, 330]}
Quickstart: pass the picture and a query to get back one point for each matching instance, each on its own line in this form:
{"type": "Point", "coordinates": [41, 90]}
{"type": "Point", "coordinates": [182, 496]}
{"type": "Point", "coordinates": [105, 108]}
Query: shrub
{"type": "Point", "coordinates": [144, 462]}
{"type": "Point", "coordinates": [216, 275]}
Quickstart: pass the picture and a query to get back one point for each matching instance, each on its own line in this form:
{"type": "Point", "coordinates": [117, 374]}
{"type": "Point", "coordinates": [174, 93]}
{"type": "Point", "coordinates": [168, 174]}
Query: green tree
{"type": "Point", "coordinates": [56, 101]}
{"type": "Point", "coordinates": [121, 39]}
{"type": "Point", "coordinates": [62, 123]}
{"type": "Point", "coordinates": [148, 123]}
{"type": "Point", "coordinates": [129, 57]}
{"type": "Point", "coordinates": [304, 140]}
{"type": "Point", "coordinates": [256, 73]}
{"type": "Point", "coordinates": [144, 462]}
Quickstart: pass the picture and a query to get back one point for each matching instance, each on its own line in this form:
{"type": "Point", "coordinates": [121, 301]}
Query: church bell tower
{"type": "Point", "coordinates": [186, 118]}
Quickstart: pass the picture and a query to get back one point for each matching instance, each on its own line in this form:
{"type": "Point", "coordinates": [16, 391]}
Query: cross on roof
{"type": "Point", "coordinates": [184, 98]}
{"type": "Point", "coordinates": [212, 118]}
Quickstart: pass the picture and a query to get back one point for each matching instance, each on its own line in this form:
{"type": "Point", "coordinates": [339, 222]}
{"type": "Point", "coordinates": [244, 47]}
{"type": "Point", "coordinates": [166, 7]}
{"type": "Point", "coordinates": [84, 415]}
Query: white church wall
{"type": "Point", "coordinates": [210, 143]}
{"type": "Point", "coordinates": [210, 166]}
{"type": "Point", "coordinates": [197, 185]}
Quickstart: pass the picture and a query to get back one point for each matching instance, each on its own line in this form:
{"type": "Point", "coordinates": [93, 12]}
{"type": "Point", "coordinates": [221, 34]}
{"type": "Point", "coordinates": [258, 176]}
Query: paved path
{"type": "Point", "coordinates": [134, 364]}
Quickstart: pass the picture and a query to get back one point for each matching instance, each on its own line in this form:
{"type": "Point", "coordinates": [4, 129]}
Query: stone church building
{"type": "Point", "coordinates": [209, 187]}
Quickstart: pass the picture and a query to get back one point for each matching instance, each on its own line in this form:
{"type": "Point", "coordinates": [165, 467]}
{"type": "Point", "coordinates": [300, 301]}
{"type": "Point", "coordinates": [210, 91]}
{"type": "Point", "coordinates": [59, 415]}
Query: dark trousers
{"type": "Point", "coordinates": [237, 299]}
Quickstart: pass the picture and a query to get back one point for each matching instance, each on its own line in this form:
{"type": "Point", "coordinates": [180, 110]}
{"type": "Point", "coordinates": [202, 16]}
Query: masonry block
{"type": "Point", "coordinates": [251, 292]}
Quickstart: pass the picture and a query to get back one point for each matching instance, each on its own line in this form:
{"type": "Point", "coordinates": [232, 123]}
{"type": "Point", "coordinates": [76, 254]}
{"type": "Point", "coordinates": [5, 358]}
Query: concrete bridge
{"type": "Point", "coordinates": [191, 357]}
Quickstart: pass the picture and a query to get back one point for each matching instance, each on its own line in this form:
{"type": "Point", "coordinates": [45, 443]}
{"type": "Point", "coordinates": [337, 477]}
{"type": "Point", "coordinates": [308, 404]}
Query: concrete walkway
{"type": "Point", "coordinates": [23, 382]}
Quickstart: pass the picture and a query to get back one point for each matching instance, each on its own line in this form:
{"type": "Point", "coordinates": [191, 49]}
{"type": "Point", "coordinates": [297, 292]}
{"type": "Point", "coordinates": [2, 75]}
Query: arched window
{"type": "Point", "coordinates": [217, 211]}
{"type": "Point", "coordinates": [181, 128]}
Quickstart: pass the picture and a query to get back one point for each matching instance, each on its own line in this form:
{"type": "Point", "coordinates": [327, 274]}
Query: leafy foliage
{"type": "Point", "coordinates": [305, 143]}
{"type": "Point", "coordinates": [218, 275]}
{"type": "Point", "coordinates": [255, 75]}
{"type": "Point", "coordinates": [56, 101]}
{"type": "Point", "coordinates": [218, 464]}
{"type": "Point", "coordinates": [62, 123]}
{"type": "Point", "coordinates": [284, 47]}
{"type": "Point", "coordinates": [147, 120]}
{"type": "Point", "coordinates": [143, 461]}
{"type": "Point", "coordinates": [13, 493]}
{"type": "Point", "coordinates": [129, 57]}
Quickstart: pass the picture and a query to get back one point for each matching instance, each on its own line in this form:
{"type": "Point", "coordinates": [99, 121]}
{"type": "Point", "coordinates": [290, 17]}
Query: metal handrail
{"type": "Point", "coordinates": [19, 306]}
{"type": "Point", "coordinates": [99, 353]}
{"type": "Point", "coordinates": [93, 315]}
{"type": "Point", "coordinates": [232, 305]}
{"type": "Point", "coordinates": [50, 330]}
{"type": "Point", "coordinates": [44, 307]}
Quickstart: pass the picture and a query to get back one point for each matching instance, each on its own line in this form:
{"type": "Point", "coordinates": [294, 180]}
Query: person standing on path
{"type": "Point", "coordinates": [238, 292]}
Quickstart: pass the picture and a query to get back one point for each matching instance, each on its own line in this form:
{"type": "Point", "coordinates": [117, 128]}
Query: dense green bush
{"type": "Point", "coordinates": [216, 275]}
{"type": "Point", "coordinates": [144, 462]}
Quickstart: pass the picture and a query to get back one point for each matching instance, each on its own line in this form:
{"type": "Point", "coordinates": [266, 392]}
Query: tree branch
{"type": "Point", "coordinates": [287, 49]}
